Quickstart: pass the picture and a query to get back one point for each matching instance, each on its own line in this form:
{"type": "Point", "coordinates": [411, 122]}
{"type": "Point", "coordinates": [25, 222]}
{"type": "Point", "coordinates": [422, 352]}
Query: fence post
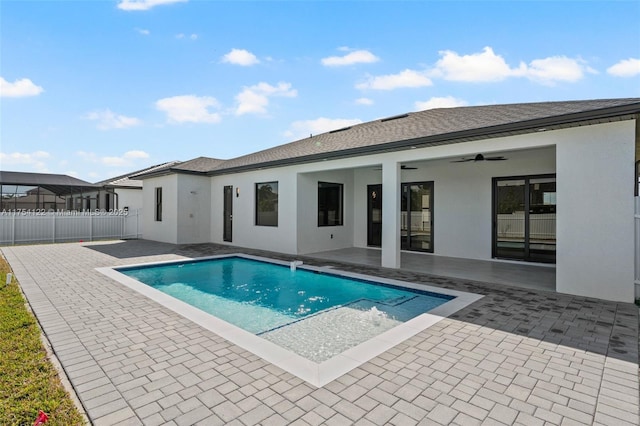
{"type": "Point", "coordinates": [90, 227]}
{"type": "Point", "coordinates": [13, 230]}
{"type": "Point", "coordinates": [53, 227]}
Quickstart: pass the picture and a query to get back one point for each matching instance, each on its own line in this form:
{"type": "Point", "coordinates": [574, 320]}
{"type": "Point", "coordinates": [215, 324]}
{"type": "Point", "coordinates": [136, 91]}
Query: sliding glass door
{"type": "Point", "coordinates": [416, 210]}
{"type": "Point", "coordinates": [524, 218]}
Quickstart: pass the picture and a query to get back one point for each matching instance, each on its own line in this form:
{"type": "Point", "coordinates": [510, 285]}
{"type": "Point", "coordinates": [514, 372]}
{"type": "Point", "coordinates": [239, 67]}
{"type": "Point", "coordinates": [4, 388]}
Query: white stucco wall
{"type": "Point", "coordinates": [193, 209]}
{"type": "Point", "coordinates": [280, 238]}
{"type": "Point", "coordinates": [127, 197]}
{"type": "Point", "coordinates": [595, 211]}
{"type": "Point", "coordinates": [311, 237]}
{"type": "Point", "coordinates": [166, 230]}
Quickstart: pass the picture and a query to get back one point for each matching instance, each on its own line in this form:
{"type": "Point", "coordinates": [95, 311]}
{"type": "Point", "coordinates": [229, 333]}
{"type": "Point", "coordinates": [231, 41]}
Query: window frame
{"type": "Point", "coordinates": [260, 219]}
{"type": "Point", "coordinates": [158, 204]}
{"type": "Point", "coordinates": [324, 193]}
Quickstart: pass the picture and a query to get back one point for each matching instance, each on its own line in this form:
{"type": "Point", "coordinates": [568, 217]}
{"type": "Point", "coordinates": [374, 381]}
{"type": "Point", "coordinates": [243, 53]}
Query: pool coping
{"type": "Point", "coordinates": [317, 374]}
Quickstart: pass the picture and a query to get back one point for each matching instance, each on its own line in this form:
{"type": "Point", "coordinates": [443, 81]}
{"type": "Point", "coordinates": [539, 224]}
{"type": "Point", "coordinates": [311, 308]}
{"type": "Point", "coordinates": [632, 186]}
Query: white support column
{"type": "Point", "coordinates": [391, 214]}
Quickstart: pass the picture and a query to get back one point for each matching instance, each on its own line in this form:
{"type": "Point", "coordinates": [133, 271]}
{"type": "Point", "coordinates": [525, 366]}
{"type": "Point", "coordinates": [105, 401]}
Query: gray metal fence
{"type": "Point", "coordinates": [33, 226]}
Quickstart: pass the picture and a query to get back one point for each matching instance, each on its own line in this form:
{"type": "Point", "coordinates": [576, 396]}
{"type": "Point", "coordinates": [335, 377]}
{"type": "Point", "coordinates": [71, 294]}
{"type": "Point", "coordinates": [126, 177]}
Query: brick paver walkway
{"type": "Point", "coordinates": [514, 357]}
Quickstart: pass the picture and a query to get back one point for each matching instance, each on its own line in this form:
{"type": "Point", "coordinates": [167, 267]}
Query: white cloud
{"type": "Point", "coordinates": [477, 67]}
{"type": "Point", "coordinates": [440, 102]}
{"type": "Point", "coordinates": [19, 88]}
{"type": "Point", "coordinates": [108, 120]}
{"type": "Point", "coordinates": [625, 68]}
{"type": "Point", "coordinates": [32, 160]}
{"type": "Point", "coordinates": [355, 57]}
{"type": "Point", "coordinates": [255, 99]}
{"type": "Point", "coordinates": [302, 129]}
{"type": "Point", "coordinates": [487, 66]}
{"type": "Point", "coordinates": [240, 57]}
{"type": "Point", "coordinates": [364, 101]}
{"type": "Point", "coordinates": [143, 31]}
{"type": "Point", "coordinates": [189, 109]}
{"type": "Point", "coordinates": [556, 68]}
{"type": "Point", "coordinates": [128, 159]}
{"type": "Point", "coordinates": [130, 5]}
{"type": "Point", "coordinates": [406, 78]}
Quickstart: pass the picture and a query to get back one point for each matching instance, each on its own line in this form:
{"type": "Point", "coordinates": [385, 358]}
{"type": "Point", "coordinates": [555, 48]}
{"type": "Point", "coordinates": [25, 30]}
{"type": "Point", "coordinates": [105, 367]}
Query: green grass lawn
{"type": "Point", "coordinates": [28, 381]}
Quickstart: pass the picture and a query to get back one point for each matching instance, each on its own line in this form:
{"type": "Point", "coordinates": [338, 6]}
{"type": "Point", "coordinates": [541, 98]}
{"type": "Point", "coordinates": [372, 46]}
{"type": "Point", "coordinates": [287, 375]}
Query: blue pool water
{"type": "Point", "coordinates": [261, 297]}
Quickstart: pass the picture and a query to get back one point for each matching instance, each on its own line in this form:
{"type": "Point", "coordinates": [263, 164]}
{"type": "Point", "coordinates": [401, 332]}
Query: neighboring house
{"type": "Point", "coordinates": [123, 192]}
{"type": "Point", "coordinates": [541, 182]}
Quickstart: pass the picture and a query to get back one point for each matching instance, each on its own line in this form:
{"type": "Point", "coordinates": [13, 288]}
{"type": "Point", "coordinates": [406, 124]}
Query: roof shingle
{"type": "Point", "coordinates": [435, 124]}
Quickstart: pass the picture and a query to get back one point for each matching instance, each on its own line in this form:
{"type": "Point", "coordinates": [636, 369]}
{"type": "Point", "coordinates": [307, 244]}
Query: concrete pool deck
{"type": "Point", "coordinates": [515, 356]}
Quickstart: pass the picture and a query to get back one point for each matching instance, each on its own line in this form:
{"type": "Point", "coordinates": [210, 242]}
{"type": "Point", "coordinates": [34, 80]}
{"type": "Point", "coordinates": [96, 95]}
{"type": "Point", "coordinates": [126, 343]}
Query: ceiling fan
{"type": "Point", "coordinates": [402, 167]}
{"type": "Point", "coordinates": [480, 157]}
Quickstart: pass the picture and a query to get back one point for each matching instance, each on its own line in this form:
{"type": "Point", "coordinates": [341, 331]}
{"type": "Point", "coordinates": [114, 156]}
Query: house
{"type": "Point", "coordinates": [122, 192]}
{"type": "Point", "coordinates": [550, 182]}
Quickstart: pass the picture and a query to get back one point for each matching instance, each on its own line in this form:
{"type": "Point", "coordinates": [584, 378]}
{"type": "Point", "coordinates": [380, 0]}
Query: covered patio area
{"type": "Point", "coordinates": [516, 274]}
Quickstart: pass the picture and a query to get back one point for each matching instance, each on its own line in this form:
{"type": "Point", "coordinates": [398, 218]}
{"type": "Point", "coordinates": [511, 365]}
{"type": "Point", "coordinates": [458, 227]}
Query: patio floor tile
{"type": "Point", "coordinates": [518, 355]}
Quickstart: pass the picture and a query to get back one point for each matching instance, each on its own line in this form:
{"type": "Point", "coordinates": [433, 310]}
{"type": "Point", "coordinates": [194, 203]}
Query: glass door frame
{"type": "Point", "coordinates": [227, 214]}
{"type": "Point", "coordinates": [406, 196]}
{"type": "Point", "coordinates": [527, 211]}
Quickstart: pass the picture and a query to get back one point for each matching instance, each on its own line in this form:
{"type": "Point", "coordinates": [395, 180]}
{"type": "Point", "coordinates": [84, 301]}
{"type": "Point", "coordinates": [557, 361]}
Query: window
{"type": "Point", "coordinates": [416, 220]}
{"type": "Point", "coordinates": [267, 204]}
{"type": "Point", "coordinates": [524, 218]}
{"type": "Point", "coordinates": [159, 204]}
{"type": "Point", "coordinates": [330, 204]}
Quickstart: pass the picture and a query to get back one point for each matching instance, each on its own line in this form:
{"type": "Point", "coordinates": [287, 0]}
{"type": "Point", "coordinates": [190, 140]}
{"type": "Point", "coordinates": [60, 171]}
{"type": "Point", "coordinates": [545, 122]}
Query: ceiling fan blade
{"type": "Point", "coordinates": [495, 158]}
{"type": "Point", "coordinates": [402, 167]}
{"type": "Point", "coordinates": [464, 160]}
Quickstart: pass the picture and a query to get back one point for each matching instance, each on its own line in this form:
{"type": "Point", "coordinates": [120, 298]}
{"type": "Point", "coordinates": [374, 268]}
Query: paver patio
{"type": "Point", "coordinates": [517, 356]}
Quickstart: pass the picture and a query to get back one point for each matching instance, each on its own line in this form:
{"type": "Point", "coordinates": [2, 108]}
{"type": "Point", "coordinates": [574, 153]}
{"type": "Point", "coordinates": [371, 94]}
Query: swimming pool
{"type": "Point", "coordinates": [316, 323]}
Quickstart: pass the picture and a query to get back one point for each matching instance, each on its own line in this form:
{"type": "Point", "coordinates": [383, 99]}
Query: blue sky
{"type": "Point", "coordinates": [95, 89]}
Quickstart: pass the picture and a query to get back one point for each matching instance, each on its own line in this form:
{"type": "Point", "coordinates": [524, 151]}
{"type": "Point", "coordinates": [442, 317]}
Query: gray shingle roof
{"type": "Point", "coordinates": [432, 127]}
{"type": "Point", "coordinates": [199, 165]}
{"type": "Point", "coordinates": [126, 180]}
